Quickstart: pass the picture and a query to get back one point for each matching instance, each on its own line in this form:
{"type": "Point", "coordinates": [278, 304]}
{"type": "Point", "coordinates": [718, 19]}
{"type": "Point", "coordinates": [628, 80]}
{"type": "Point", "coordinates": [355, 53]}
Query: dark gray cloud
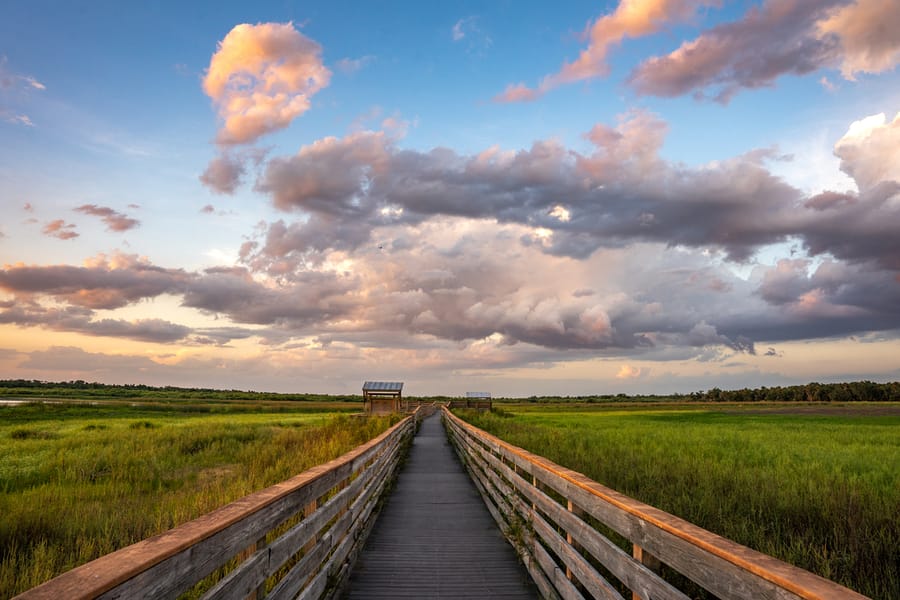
{"type": "Point", "coordinates": [604, 199]}
{"type": "Point", "coordinates": [80, 320]}
{"type": "Point", "coordinates": [111, 282]}
{"type": "Point", "coordinates": [619, 194]}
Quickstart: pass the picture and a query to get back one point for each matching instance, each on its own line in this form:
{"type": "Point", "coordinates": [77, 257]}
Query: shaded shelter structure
{"type": "Point", "coordinates": [382, 397]}
{"type": "Point", "coordinates": [478, 400]}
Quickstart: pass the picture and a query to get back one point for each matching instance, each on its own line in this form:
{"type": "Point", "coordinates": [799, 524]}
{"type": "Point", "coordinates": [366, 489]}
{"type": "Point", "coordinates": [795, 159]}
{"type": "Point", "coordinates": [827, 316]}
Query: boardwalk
{"type": "Point", "coordinates": [434, 537]}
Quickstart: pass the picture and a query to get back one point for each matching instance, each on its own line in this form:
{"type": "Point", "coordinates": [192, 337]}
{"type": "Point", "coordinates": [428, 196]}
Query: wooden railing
{"type": "Point", "coordinates": [551, 515]}
{"type": "Point", "coordinates": [301, 535]}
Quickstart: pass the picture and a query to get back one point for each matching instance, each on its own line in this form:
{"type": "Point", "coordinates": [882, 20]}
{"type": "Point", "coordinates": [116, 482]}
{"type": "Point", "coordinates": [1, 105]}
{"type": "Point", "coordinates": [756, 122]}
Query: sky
{"type": "Point", "coordinates": [644, 196]}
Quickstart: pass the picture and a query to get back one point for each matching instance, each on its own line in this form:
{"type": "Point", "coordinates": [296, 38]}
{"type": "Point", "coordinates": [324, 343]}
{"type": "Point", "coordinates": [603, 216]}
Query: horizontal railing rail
{"type": "Point", "coordinates": [300, 536]}
{"type": "Point", "coordinates": [549, 514]}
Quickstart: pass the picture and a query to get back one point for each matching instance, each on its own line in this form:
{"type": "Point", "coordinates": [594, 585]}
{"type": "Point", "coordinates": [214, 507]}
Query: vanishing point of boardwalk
{"type": "Point", "coordinates": [434, 537]}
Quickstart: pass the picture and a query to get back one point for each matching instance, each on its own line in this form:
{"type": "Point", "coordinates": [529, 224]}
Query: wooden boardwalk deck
{"type": "Point", "coordinates": [434, 537]}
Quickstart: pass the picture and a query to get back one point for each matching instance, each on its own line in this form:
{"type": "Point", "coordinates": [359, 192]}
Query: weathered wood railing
{"type": "Point", "coordinates": [546, 511]}
{"type": "Point", "coordinates": [303, 533]}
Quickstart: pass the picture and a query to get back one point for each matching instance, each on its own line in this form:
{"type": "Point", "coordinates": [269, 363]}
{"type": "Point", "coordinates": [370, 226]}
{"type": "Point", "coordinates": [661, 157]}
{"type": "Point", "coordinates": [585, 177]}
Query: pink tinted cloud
{"type": "Point", "coordinates": [261, 78]}
{"type": "Point", "coordinates": [868, 32]}
{"type": "Point", "coordinates": [629, 372]}
{"type": "Point", "coordinates": [781, 37]}
{"type": "Point", "coordinates": [769, 41]}
{"type": "Point", "coordinates": [114, 220]}
{"type": "Point", "coordinates": [518, 93]}
{"type": "Point", "coordinates": [632, 18]}
{"type": "Point", "coordinates": [60, 229]}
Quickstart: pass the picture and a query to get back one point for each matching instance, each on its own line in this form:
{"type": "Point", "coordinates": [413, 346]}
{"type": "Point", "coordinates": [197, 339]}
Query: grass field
{"type": "Point", "coordinates": [818, 488]}
{"type": "Point", "coordinates": [80, 480]}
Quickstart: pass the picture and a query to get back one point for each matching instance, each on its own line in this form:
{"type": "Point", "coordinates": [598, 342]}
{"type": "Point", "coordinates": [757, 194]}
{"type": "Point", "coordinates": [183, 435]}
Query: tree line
{"type": "Point", "coordinates": [853, 391]}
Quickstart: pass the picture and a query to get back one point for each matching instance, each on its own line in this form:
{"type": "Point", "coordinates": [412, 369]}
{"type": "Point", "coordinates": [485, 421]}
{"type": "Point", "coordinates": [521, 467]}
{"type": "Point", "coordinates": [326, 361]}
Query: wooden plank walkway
{"type": "Point", "coordinates": [434, 537]}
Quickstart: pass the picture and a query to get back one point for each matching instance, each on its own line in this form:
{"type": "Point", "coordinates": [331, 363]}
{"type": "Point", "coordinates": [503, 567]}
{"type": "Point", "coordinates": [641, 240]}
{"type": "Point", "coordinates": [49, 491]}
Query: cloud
{"type": "Point", "coordinates": [115, 221]}
{"type": "Point", "coordinates": [430, 256]}
{"type": "Point", "coordinates": [468, 31]}
{"type": "Point", "coordinates": [363, 181]}
{"type": "Point", "coordinates": [834, 297]}
{"type": "Point", "coordinates": [870, 151]}
{"type": "Point", "coordinates": [768, 42]}
{"type": "Point", "coordinates": [58, 228]}
{"type": "Point", "coordinates": [34, 83]}
{"type": "Point", "coordinates": [326, 176]}
{"type": "Point", "coordinates": [458, 31]}
{"type": "Point", "coordinates": [14, 81]}
{"type": "Point", "coordinates": [352, 65]}
{"type": "Point", "coordinates": [15, 90]}
{"type": "Point", "coordinates": [861, 227]}
{"type": "Point", "coordinates": [782, 37]}
{"type": "Point", "coordinates": [629, 372]}
{"type": "Point", "coordinates": [349, 187]}
{"type": "Point", "coordinates": [104, 282]}
{"type": "Point", "coordinates": [867, 30]}
{"type": "Point", "coordinates": [261, 78]}
{"type": "Point", "coordinates": [68, 358]}
{"type": "Point", "coordinates": [81, 320]}
{"type": "Point", "coordinates": [631, 19]}
{"type": "Point", "coordinates": [518, 92]}
{"type": "Point", "coordinates": [17, 119]}
{"type": "Point", "coordinates": [223, 174]}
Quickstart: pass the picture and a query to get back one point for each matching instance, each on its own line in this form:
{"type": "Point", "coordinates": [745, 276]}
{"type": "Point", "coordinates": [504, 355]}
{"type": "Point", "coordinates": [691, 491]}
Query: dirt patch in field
{"type": "Point", "coordinates": [825, 410]}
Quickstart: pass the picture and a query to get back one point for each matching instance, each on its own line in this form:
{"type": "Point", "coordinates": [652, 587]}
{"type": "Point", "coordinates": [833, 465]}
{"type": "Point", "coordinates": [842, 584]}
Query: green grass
{"type": "Point", "coordinates": [818, 491]}
{"type": "Point", "coordinates": [79, 481]}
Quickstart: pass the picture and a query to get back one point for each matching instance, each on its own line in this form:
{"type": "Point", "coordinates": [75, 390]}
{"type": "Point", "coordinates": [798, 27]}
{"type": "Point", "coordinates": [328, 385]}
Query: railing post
{"type": "Point", "coordinates": [260, 591]}
{"type": "Point", "coordinates": [646, 559]}
{"type": "Point", "coordinates": [570, 506]}
{"type": "Point", "coordinates": [308, 510]}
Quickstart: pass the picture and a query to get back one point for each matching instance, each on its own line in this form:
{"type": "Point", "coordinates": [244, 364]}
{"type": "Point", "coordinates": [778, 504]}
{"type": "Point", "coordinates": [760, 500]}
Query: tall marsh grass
{"type": "Point", "coordinates": [80, 482]}
{"type": "Point", "coordinates": [819, 492]}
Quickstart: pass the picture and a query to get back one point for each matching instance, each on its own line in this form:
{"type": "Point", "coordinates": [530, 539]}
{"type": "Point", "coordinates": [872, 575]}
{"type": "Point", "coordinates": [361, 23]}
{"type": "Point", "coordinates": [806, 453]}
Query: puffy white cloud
{"type": "Point", "coordinates": [870, 150]}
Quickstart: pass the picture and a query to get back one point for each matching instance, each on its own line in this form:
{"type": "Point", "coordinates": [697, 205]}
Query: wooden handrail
{"type": "Point", "coordinates": [722, 566]}
{"type": "Point", "coordinates": [342, 492]}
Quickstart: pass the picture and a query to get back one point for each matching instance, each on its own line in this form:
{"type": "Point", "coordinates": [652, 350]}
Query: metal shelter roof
{"type": "Point", "coordinates": [478, 394]}
{"type": "Point", "coordinates": [382, 386]}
